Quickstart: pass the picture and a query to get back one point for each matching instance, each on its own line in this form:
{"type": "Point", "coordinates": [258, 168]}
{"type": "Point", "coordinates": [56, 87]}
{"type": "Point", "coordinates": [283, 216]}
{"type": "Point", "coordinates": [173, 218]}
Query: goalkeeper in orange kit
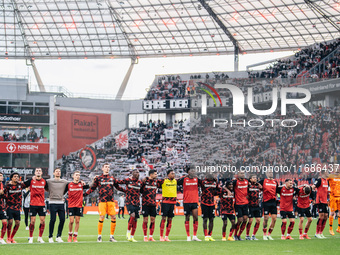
{"type": "Point", "coordinates": [334, 200]}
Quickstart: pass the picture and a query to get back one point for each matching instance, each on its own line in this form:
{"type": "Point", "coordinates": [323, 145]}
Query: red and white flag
{"type": "Point", "coordinates": [122, 140]}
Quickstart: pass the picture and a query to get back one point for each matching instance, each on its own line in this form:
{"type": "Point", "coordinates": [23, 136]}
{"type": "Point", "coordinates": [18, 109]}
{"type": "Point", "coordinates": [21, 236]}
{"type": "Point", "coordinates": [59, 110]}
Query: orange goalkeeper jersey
{"type": "Point", "coordinates": [334, 185]}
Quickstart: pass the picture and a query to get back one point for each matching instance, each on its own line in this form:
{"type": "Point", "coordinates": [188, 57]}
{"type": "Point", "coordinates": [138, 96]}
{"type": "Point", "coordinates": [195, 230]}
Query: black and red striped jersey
{"type": "Point", "coordinates": [13, 195]}
{"type": "Point", "coordinates": [132, 190]}
{"type": "Point", "coordinates": [2, 198]}
{"type": "Point", "coordinates": [241, 191]}
{"type": "Point", "coordinates": [209, 189]}
{"type": "Point", "coordinates": [227, 201]}
{"type": "Point", "coordinates": [254, 194]}
{"type": "Point", "coordinates": [75, 194]}
{"type": "Point", "coordinates": [149, 191]}
{"type": "Point", "coordinates": [105, 185]}
{"type": "Point", "coordinates": [37, 188]}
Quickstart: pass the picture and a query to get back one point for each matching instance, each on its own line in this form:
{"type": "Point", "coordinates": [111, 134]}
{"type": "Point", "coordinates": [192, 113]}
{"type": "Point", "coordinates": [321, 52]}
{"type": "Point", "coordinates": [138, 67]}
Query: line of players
{"type": "Point", "coordinates": [239, 197]}
{"type": "Point", "coordinates": [12, 194]}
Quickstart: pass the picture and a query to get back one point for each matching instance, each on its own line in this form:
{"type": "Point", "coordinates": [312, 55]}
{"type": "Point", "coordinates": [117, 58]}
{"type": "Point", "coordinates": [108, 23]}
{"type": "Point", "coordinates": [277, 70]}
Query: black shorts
{"type": "Point", "coordinates": [149, 210]}
{"type": "Point", "coordinates": [269, 207]}
{"type": "Point", "coordinates": [40, 210]}
{"type": "Point", "coordinates": [304, 212]}
{"type": "Point", "coordinates": [3, 215]}
{"type": "Point", "coordinates": [228, 216]}
{"type": "Point", "coordinates": [188, 207]}
{"type": "Point", "coordinates": [323, 208]}
{"type": "Point", "coordinates": [208, 211]}
{"type": "Point", "coordinates": [133, 209]}
{"type": "Point", "coordinates": [168, 210]}
{"type": "Point", "coordinates": [255, 212]}
{"type": "Point", "coordinates": [241, 210]}
{"type": "Point", "coordinates": [13, 214]}
{"type": "Point", "coordinates": [75, 211]}
{"type": "Point", "coordinates": [285, 214]}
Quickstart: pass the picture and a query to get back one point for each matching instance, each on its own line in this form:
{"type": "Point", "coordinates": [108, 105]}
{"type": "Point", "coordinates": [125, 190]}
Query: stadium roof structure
{"type": "Point", "coordinates": [51, 29]}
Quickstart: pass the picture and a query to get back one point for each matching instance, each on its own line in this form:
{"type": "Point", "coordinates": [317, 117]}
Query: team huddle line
{"type": "Point", "coordinates": [239, 200]}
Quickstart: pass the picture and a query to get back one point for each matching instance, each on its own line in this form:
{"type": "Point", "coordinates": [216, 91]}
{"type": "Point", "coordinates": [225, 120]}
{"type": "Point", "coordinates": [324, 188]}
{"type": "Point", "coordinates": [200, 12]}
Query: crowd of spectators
{"type": "Point", "coordinates": [315, 140]}
{"type": "Point", "coordinates": [284, 72]}
{"type": "Point", "coordinates": [32, 136]}
{"type": "Point", "coordinates": [303, 61]}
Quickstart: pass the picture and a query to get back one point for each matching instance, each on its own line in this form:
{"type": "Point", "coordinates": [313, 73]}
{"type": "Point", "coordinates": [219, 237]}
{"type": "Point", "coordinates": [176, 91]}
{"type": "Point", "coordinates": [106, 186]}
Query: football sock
{"type": "Point", "coordinates": [152, 228]}
{"type": "Point", "coordinates": [264, 231]}
{"type": "Point", "coordinates": [243, 226]}
{"type": "Point", "coordinates": [270, 231]}
{"type": "Point", "coordinates": [195, 227]}
{"type": "Point", "coordinates": [209, 233]}
{"type": "Point", "coordinates": [318, 226]}
{"type": "Point", "coordinates": [290, 227]}
{"type": "Point", "coordinates": [168, 227]}
{"type": "Point", "coordinates": [205, 232]}
{"type": "Point", "coordinates": [256, 228]}
{"type": "Point", "coordinates": [113, 227]}
{"type": "Point", "coordinates": [75, 234]}
{"type": "Point", "coordinates": [134, 227]}
{"type": "Point", "coordinates": [145, 228]}
{"type": "Point", "coordinates": [331, 218]}
{"type": "Point", "coordinates": [31, 228]}
{"type": "Point", "coordinates": [9, 229]}
{"type": "Point", "coordinates": [231, 232]}
{"type": "Point", "coordinates": [15, 229]}
{"type": "Point", "coordinates": [187, 228]}
{"type": "Point", "coordinates": [130, 224]}
{"type": "Point", "coordinates": [300, 231]}
{"type": "Point", "coordinates": [41, 229]}
{"type": "Point", "coordinates": [323, 225]}
{"type": "Point", "coordinates": [338, 222]}
{"type": "Point", "coordinates": [283, 228]}
{"type": "Point", "coordinates": [237, 228]}
{"type": "Point", "coordinates": [70, 234]}
{"type": "Point", "coordinates": [100, 227]}
{"type": "Point", "coordinates": [306, 230]}
{"type": "Point", "coordinates": [224, 234]}
{"type": "Point", "coordinates": [248, 228]}
{"type": "Point", "coordinates": [3, 229]}
{"type": "Point", "coordinates": [161, 230]}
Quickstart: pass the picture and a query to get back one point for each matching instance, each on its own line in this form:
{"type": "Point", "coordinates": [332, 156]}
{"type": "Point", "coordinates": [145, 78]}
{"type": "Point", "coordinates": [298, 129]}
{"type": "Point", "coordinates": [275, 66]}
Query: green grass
{"type": "Point", "coordinates": [88, 245]}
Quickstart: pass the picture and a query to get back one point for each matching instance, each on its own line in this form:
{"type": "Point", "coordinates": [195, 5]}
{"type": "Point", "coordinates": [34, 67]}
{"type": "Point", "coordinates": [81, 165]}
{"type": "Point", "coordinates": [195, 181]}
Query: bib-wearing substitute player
{"type": "Point", "coordinates": [132, 191]}
{"type": "Point", "coordinates": [105, 184]}
{"type": "Point", "coordinates": [37, 187]}
{"type": "Point", "coordinates": [169, 196]}
{"type": "Point", "coordinates": [227, 200]}
{"type": "Point", "coordinates": [190, 185]}
{"type": "Point", "coordinates": [334, 200]}
{"type": "Point", "coordinates": [286, 207]}
{"type": "Point", "coordinates": [209, 187]}
{"type": "Point", "coordinates": [13, 195]}
{"type": "Point", "coordinates": [321, 185]}
{"type": "Point", "coordinates": [241, 204]}
{"type": "Point", "coordinates": [3, 215]}
{"type": "Point", "coordinates": [269, 186]}
{"type": "Point", "coordinates": [303, 208]}
{"type": "Point", "coordinates": [255, 210]}
{"type": "Point", "coordinates": [149, 191]}
{"type": "Point", "coordinates": [75, 191]}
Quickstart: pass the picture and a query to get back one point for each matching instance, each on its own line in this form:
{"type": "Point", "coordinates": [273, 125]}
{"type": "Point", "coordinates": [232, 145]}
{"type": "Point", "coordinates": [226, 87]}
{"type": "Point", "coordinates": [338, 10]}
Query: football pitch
{"type": "Point", "coordinates": [88, 245]}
